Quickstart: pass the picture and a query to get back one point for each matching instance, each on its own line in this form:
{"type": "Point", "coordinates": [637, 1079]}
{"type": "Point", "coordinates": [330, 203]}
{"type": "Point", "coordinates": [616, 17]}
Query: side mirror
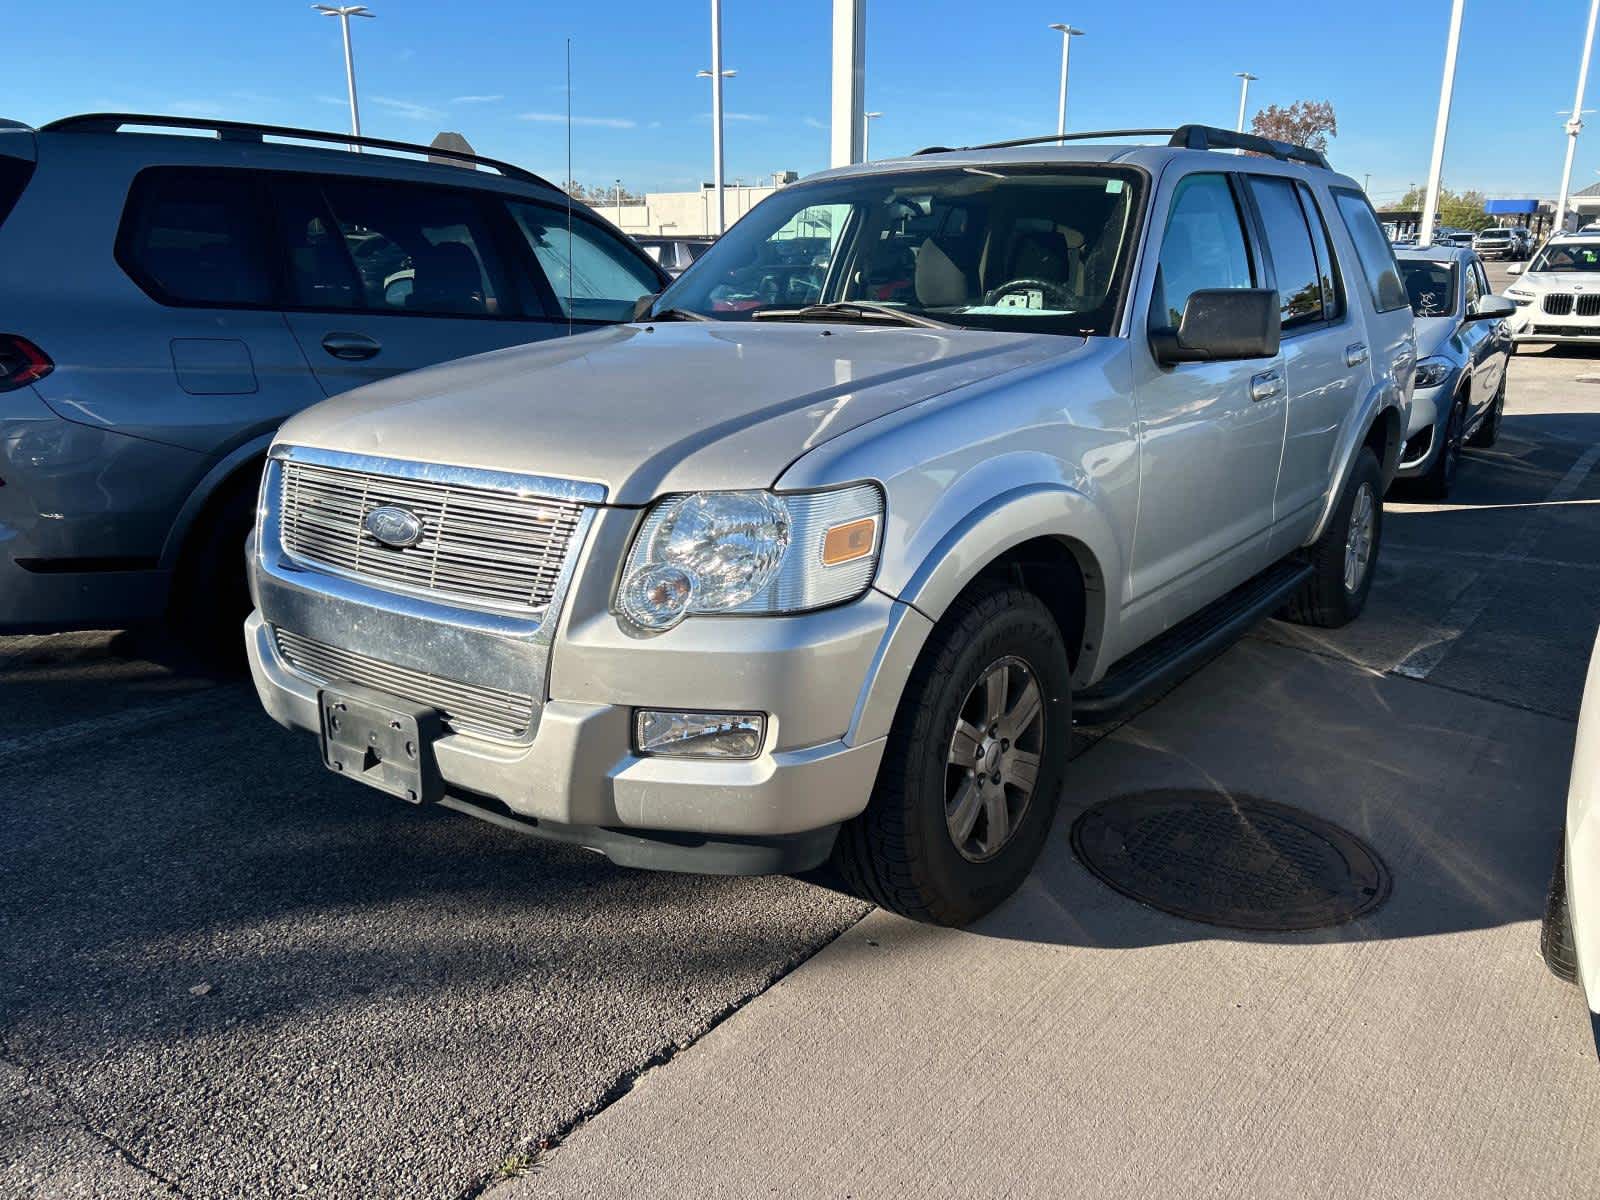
{"type": "Point", "coordinates": [642, 306]}
{"type": "Point", "coordinates": [1221, 325]}
{"type": "Point", "coordinates": [1514, 269]}
{"type": "Point", "coordinates": [1491, 308]}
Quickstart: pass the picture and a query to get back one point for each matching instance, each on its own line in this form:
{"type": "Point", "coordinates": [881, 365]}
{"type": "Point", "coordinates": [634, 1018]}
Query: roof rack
{"type": "Point", "coordinates": [249, 131]}
{"type": "Point", "coordinates": [1190, 137]}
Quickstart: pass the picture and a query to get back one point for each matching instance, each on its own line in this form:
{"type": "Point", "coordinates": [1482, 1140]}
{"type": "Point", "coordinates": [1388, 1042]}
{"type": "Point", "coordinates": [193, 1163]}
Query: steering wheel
{"type": "Point", "coordinates": [1056, 295]}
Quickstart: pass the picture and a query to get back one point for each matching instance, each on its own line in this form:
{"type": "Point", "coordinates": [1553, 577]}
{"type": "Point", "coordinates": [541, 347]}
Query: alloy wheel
{"type": "Point", "coordinates": [993, 762]}
{"type": "Point", "coordinates": [1358, 539]}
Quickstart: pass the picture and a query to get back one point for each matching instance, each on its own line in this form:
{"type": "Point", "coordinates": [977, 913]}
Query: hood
{"type": "Point", "coordinates": [1433, 333]}
{"type": "Point", "coordinates": [1559, 281]}
{"type": "Point", "coordinates": [675, 406]}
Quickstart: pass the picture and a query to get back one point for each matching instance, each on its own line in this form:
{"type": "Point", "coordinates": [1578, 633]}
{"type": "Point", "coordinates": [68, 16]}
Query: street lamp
{"type": "Point", "coordinates": [619, 204]}
{"type": "Point", "coordinates": [866, 134]}
{"type": "Point", "coordinates": [1067, 34]}
{"type": "Point", "coordinates": [344, 13]}
{"type": "Point", "coordinates": [1575, 123]}
{"type": "Point", "coordinates": [1244, 78]}
{"type": "Point", "coordinates": [716, 74]}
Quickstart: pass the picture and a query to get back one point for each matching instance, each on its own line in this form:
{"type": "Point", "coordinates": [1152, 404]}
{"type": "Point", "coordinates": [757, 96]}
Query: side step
{"type": "Point", "coordinates": [1162, 662]}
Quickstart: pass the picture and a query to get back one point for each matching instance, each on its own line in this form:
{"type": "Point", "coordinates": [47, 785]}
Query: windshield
{"type": "Point", "coordinates": [1492, 235]}
{"type": "Point", "coordinates": [1027, 249]}
{"type": "Point", "coordinates": [1430, 286]}
{"type": "Point", "coordinates": [1567, 256]}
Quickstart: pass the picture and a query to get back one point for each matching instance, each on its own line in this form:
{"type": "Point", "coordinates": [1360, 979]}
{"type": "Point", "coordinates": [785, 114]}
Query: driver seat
{"type": "Point", "coordinates": [1055, 257]}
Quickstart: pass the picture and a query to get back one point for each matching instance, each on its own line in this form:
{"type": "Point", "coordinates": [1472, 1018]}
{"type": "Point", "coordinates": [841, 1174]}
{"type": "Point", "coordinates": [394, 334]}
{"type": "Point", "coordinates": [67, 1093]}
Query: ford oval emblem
{"type": "Point", "coordinates": [394, 526]}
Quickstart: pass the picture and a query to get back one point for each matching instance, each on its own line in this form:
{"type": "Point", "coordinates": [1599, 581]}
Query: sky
{"type": "Point", "coordinates": [945, 72]}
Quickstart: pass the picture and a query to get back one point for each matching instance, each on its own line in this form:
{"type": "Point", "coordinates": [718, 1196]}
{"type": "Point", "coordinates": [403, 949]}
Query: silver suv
{"type": "Point", "coordinates": [167, 299]}
{"type": "Point", "coordinates": [923, 461]}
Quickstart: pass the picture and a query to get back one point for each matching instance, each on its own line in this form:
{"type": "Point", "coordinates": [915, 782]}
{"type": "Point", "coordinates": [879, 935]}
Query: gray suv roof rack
{"type": "Point", "coordinates": [249, 131]}
{"type": "Point", "coordinates": [1191, 137]}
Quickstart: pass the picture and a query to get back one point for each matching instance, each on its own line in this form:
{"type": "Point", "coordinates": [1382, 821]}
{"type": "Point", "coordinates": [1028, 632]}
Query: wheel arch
{"type": "Point", "coordinates": [240, 466]}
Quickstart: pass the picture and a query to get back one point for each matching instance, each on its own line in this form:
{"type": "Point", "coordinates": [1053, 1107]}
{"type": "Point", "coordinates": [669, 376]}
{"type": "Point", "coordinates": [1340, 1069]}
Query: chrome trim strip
{"type": "Point", "coordinates": [578, 490]}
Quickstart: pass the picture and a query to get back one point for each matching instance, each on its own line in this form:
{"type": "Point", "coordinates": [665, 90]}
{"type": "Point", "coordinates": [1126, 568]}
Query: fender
{"type": "Point", "coordinates": [217, 477]}
{"type": "Point", "coordinates": [1041, 510]}
{"type": "Point", "coordinates": [1384, 395]}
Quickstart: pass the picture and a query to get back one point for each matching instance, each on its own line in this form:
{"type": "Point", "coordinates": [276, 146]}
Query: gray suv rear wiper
{"type": "Point", "coordinates": [861, 310]}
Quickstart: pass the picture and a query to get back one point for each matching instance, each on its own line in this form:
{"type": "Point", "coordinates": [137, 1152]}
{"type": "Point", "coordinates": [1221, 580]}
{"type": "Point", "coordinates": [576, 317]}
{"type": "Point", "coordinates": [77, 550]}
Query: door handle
{"type": "Point", "coordinates": [1355, 354]}
{"type": "Point", "coordinates": [351, 346]}
{"type": "Point", "coordinates": [1266, 385]}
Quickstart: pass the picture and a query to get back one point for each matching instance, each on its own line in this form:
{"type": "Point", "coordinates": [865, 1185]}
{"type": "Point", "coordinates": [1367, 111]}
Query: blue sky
{"type": "Point", "coordinates": [942, 71]}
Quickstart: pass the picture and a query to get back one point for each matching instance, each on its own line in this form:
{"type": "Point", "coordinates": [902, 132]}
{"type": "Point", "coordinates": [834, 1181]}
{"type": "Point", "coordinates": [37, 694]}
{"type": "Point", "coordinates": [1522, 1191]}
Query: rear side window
{"type": "Point", "coordinates": [1294, 261]}
{"type": "Point", "coordinates": [195, 237]}
{"type": "Point", "coordinates": [417, 249]}
{"type": "Point", "coordinates": [14, 176]}
{"type": "Point", "coordinates": [593, 274]}
{"type": "Point", "coordinates": [1327, 265]}
{"type": "Point", "coordinates": [1372, 248]}
{"type": "Point", "coordinates": [1203, 247]}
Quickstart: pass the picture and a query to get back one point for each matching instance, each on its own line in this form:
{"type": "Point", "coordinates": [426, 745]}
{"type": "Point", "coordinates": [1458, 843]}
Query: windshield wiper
{"type": "Point", "coordinates": [861, 310]}
{"type": "Point", "coordinates": [678, 314]}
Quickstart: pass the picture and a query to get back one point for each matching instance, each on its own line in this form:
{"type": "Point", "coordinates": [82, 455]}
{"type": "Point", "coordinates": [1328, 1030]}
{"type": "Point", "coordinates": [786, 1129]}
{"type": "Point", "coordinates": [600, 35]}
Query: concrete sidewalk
{"type": "Point", "coordinates": [1075, 1043]}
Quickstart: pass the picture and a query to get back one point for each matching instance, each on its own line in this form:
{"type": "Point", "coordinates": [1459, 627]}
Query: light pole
{"type": "Point", "coordinates": [344, 13]}
{"type": "Point", "coordinates": [866, 133]}
{"type": "Point", "coordinates": [619, 204]}
{"type": "Point", "coordinates": [1067, 34]}
{"type": "Point", "coordinates": [1575, 123]}
{"type": "Point", "coordinates": [1430, 203]}
{"type": "Point", "coordinates": [1244, 78]}
{"type": "Point", "coordinates": [716, 75]}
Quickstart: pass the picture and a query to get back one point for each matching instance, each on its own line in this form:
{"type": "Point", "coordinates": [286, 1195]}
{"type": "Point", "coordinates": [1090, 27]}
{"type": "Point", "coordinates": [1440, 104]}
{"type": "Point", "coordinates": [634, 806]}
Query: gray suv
{"type": "Point", "coordinates": [167, 300]}
{"type": "Point", "coordinates": [826, 553]}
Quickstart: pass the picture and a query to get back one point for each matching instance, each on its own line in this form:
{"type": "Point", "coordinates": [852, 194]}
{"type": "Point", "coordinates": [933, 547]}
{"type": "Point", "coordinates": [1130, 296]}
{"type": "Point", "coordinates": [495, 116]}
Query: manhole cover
{"type": "Point", "coordinates": [1230, 860]}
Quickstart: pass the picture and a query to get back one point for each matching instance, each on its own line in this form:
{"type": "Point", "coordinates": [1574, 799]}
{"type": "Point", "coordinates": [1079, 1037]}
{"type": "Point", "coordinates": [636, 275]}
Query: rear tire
{"type": "Point", "coordinates": [1555, 934]}
{"type": "Point", "coordinates": [903, 852]}
{"type": "Point", "coordinates": [1327, 599]}
{"type": "Point", "coordinates": [210, 595]}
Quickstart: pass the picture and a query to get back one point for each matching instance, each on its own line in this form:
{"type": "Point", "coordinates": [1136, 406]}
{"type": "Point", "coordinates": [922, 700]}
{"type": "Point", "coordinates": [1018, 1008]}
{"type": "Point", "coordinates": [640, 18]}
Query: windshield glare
{"type": "Point", "coordinates": [1572, 256]}
{"type": "Point", "coordinates": [1431, 286]}
{"type": "Point", "coordinates": [1027, 249]}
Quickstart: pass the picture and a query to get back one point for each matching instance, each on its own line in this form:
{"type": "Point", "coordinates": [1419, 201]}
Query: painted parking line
{"type": "Point", "coordinates": [29, 744]}
{"type": "Point", "coordinates": [1474, 598]}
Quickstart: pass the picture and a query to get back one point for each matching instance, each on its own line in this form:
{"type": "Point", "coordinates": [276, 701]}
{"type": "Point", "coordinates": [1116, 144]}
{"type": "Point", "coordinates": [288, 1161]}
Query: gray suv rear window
{"type": "Point", "coordinates": [197, 237]}
{"type": "Point", "coordinates": [1372, 248]}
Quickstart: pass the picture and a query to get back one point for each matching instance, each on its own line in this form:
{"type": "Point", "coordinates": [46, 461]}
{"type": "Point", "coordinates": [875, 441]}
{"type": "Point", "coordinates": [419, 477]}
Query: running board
{"type": "Point", "coordinates": [1186, 647]}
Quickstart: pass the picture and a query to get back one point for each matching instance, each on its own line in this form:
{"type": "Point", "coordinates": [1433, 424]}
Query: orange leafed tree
{"type": "Point", "coordinates": [1308, 123]}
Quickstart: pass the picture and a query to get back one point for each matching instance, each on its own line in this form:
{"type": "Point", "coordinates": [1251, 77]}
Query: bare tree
{"type": "Point", "coordinates": [1307, 123]}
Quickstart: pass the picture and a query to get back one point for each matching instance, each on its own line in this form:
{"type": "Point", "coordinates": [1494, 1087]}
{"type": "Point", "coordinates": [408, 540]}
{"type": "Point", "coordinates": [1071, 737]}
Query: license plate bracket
{"type": "Point", "coordinates": [382, 741]}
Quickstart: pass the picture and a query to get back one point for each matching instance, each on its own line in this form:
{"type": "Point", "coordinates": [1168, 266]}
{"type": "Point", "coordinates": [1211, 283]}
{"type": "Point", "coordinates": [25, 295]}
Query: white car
{"type": "Point", "coordinates": [1558, 294]}
{"type": "Point", "coordinates": [1570, 939]}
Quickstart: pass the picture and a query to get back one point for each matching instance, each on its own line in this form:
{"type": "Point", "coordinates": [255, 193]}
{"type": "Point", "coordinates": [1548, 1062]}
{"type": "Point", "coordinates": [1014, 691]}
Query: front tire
{"type": "Point", "coordinates": [1345, 557]}
{"type": "Point", "coordinates": [1488, 430]}
{"type": "Point", "coordinates": [972, 772]}
{"type": "Point", "coordinates": [1441, 474]}
{"type": "Point", "coordinates": [1555, 932]}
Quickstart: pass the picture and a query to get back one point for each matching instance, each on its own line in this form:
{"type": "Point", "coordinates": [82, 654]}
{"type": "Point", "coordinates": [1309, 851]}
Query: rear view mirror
{"type": "Point", "coordinates": [1491, 308]}
{"type": "Point", "coordinates": [1221, 325]}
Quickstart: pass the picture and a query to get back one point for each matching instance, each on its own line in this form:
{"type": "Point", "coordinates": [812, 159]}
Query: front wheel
{"type": "Point", "coordinates": [1555, 931]}
{"type": "Point", "coordinates": [972, 771]}
{"type": "Point", "coordinates": [1488, 430]}
{"type": "Point", "coordinates": [1344, 558]}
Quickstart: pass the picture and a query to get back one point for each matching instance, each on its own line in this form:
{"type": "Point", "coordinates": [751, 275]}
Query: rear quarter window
{"type": "Point", "coordinates": [1373, 250]}
{"type": "Point", "coordinates": [14, 176]}
{"type": "Point", "coordinates": [197, 237]}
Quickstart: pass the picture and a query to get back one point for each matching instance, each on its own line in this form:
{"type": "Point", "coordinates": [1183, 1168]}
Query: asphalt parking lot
{"type": "Point", "coordinates": [229, 973]}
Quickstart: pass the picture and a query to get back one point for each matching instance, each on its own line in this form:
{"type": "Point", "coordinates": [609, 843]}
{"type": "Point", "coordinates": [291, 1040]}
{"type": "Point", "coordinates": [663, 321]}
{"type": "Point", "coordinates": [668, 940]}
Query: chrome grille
{"type": "Point", "coordinates": [466, 707]}
{"type": "Point", "coordinates": [1558, 304]}
{"type": "Point", "coordinates": [479, 544]}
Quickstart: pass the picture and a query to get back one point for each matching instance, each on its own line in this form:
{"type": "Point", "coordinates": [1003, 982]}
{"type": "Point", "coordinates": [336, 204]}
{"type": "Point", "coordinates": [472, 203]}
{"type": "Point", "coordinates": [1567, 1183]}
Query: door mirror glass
{"type": "Point", "coordinates": [1222, 324]}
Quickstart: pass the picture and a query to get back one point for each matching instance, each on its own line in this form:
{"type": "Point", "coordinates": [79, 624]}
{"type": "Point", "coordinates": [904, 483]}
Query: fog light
{"type": "Point", "coordinates": [699, 734]}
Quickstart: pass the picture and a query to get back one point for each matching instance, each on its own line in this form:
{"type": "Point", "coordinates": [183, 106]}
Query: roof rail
{"type": "Point", "coordinates": [1191, 137]}
{"type": "Point", "coordinates": [1210, 137]}
{"type": "Point", "coordinates": [249, 131]}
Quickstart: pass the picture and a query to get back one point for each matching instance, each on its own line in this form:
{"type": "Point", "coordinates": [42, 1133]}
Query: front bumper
{"type": "Point", "coordinates": [1424, 433]}
{"type": "Point", "coordinates": [573, 774]}
{"type": "Point", "coordinates": [1530, 325]}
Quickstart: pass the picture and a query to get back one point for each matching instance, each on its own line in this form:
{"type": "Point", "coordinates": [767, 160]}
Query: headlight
{"type": "Point", "coordinates": [1519, 296]}
{"type": "Point", "coordinates": [751, 552]}
{"type": "Point", "coordinates": [1431, 372]}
